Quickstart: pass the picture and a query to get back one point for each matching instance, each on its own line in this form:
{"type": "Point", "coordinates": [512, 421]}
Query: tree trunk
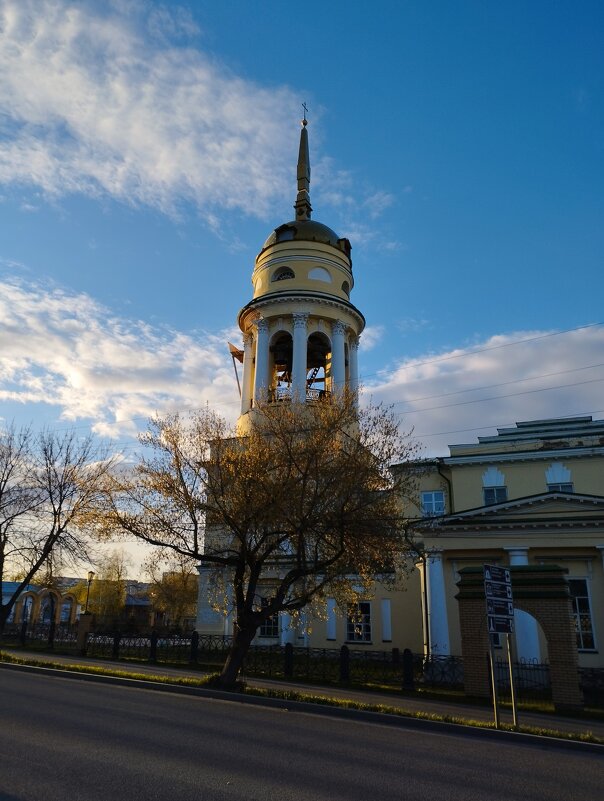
{"type": "Point", "coordinates": [4, 613]}
{"type": "Point", "coordinates": [242, 639]}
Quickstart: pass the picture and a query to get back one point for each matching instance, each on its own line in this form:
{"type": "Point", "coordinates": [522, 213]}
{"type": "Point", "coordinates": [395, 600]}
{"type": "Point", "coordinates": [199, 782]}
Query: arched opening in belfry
{"type": "Point", "coordinates": [347, 364]}
{"type": "Point", "coordinates": [318, 362]}
{"type": "Point", "coordinates": [280, 367]}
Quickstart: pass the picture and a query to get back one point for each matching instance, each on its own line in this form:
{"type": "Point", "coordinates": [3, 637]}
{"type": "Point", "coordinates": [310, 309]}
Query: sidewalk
{"type": "Point", "coordinates": [411, 704]}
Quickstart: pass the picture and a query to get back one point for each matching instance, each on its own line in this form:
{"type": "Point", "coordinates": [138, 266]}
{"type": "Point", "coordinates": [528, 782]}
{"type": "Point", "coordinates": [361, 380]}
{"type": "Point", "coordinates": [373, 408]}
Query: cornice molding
{"type": "Point", "coordinates": [255, 307]}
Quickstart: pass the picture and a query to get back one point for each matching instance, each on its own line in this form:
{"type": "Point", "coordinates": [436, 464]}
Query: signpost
{"type": "Point", "coordinates": [500, 620]}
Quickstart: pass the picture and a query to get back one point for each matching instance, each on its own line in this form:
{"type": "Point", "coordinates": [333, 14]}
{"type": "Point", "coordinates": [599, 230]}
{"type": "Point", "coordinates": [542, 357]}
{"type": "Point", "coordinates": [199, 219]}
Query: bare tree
{"type": "Point", "coordinates": [48, 485]}
{"type": "Point", "coordinates": [173, 584]}
{"type": "Point", "coordinates": [302, 506]}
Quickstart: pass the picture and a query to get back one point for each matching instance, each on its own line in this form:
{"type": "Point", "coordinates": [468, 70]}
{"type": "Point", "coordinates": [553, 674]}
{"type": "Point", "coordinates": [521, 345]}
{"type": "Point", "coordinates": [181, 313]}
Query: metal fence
{"type": "Point", "coordinates": [393, 668]}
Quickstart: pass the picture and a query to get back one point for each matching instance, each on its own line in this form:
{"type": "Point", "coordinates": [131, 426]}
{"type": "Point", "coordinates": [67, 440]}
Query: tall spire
{"type": "Point", "coordinates": [302, 204]}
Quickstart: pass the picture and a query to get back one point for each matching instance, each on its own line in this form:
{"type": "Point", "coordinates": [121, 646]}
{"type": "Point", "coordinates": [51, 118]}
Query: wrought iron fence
{"type": "Point", "coordinates": [592, 686]}
{"type": "Point", "coordinates": [42, 635]}
{"type": "Point", "coordinates": [531, 680]}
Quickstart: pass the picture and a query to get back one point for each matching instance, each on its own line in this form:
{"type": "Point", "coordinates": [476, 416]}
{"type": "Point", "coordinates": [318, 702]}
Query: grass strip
{"type": "Point", "coordinates": [210, 681]}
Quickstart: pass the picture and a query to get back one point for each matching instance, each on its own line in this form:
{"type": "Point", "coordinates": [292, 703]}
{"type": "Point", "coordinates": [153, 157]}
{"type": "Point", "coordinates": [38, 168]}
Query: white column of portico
{"type": "Point", "coordinates": [208, 620]}
{"type": "Point", "coordinates": [525, 626]}
{"type": "Point", "coordinates": [438, 625]}
{"type": "Point", "coordinates": [248, 370]}
{"type": "Point", "coordinates": [288, 632]}
{"type": "Point", "coordinates": [261, 376]}
{"type": "Point", "coordinates": [299, 359]}
{"type": "Point", "coordinates": [353, 351]}
{"type": "Point", "coordinates": [338, 366]}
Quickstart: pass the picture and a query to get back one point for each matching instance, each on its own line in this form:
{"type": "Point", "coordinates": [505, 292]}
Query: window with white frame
{"type": "Point", "coordinates": [494, 495]}
{"type": "Point", "coordinates": [433, 503]}
{"type": "Point", "coordinates": [558, 478]}
{"type": "Point", "coordinates": [358, 622]}
{"type": "Point", "coordinates": [493, 487]}
{"type": "Point", "coordinates": [579, 593]}
{"type": "Point", "coordinates": [270, 627]}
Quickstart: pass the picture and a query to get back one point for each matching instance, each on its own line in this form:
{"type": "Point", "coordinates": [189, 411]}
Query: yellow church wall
{"type": "Point", "coordinates": [302, 258]}
{"type": "Point", "coordinates": [524, 478]}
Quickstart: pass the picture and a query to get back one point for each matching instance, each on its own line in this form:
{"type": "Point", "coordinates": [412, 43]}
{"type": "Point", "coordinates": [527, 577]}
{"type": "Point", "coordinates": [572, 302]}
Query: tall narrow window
{"type": "Point", "coordinates": [358, 622]}
{"type": "Point", "coordinates": [582, 613]}
{"type": "Point", "coordinates": [270, 627]}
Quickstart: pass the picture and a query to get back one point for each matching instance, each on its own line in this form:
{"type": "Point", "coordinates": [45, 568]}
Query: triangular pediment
{"type": "Point", "coordinates": [549, 506]}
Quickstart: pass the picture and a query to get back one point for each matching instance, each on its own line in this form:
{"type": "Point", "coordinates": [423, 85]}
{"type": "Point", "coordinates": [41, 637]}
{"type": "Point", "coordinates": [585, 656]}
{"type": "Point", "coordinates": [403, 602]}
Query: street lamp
{"type": "Point", "coordinates": [90, 577]}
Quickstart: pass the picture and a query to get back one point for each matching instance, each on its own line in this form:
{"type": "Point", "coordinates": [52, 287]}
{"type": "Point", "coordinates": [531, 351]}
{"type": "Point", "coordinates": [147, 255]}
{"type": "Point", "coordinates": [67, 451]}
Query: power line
{"type": "Point", "coordinates": [437, 360]}
{"type": "Point", "coordinates": [501, 384]}
{"type": "Point", "coordinates": [498, 397]}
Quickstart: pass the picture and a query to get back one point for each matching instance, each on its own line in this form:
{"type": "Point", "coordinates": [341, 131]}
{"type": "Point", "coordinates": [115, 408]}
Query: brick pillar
{"type": "Point", "coordinates": [542, 591]}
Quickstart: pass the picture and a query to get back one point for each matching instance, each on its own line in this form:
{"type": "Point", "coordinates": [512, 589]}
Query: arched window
{"type": "Point", "coordinates": [319, 274]}
{"type": "Point", "coordinates": [346, 288]}
{"type": "Point", "coordinates": [283, 274]}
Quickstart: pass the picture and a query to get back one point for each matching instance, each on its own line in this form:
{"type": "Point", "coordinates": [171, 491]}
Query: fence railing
{"type": "Point", "coordinates": [391, 668]}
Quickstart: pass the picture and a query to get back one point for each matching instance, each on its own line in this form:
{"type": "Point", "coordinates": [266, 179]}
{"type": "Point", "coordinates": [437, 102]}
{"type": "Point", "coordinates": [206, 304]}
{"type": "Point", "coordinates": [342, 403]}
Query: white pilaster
{"type": "Point", "coordinates": [353, 355]}
{"type": "Point", "coordinates": [248, 370]}
{"type": "Point", "coordinates": [299, 359]}
{"type": "Point", "coordinates": [438, 625]}
{"type": "Point", "coordinates": [261, 376]}
{"type": "Point", "coordinates": [525, 626]}
{"type": "Point", "coordinates": [208, 620]}
{"type": "Point", "coordinates": [385, 608]}
{"type": "Point", "coordinates": [338, 366]}
{"type": "Point", "coordinates": [331, 618]}
{"type": "Point", "coordinates": [287, 631]}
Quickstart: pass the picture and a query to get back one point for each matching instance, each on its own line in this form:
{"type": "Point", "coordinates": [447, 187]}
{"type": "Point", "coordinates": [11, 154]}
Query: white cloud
{"type": "Point", "coordinates": [95, 100]}
{"type": "Point", "coordinates": [458, 395]}
{"type": "Point", "coordinates": [68, 351]}
{"type": "Point", "coordinates": [371, 336]}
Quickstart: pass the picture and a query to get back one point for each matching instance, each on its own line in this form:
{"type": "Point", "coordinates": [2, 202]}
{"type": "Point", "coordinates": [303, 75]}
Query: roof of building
{"type": "Point", "coordinates": [303, 228]}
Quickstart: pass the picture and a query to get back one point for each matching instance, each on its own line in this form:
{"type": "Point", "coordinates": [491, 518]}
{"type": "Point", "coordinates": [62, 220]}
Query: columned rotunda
{"type": "Point", "coordinates": [300, 330]}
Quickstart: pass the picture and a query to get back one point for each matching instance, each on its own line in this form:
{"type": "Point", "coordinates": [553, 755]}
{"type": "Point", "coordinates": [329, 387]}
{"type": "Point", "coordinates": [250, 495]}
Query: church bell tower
{"type": "Point", "coordinates": [300, 330]}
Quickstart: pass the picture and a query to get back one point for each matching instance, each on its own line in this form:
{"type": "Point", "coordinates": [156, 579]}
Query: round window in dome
{"type": "Point", "coordinates": [283, 274]}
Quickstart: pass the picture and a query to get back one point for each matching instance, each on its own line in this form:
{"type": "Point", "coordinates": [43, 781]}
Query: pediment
{"type": "Point", "coordinates": [547, 506]}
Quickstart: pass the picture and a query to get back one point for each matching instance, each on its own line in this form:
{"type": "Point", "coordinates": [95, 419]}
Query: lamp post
{"type": "Point", "coordinates": [90, 577]}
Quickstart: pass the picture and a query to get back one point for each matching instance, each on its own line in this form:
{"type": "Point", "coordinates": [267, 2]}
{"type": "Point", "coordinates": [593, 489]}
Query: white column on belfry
{"type": "Point", "coordinates": [353, 355]}
{"type": "Point", "coordinates": [525, 626]}
{"type": "Point", "coordinates": [248, 371]}
{"type": "Point", "coordinates": [299, 359]}
{"type": "Point", "coordinates": [438, 624]}
{"type": "Point", "coordinates": [261, 376]}
{"type": "Point", "coordinates": [338, 366]}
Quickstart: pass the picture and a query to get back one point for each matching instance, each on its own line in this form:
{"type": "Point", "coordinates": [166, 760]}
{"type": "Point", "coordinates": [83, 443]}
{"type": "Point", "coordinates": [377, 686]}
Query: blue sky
{"type": "Point", "coordinates": [147, 150]}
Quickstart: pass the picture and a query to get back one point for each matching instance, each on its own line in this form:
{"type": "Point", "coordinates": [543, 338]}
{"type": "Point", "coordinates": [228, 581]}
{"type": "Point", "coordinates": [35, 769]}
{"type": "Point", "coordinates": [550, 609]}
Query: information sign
{"type": "Point", "coordinates": [498, 593]}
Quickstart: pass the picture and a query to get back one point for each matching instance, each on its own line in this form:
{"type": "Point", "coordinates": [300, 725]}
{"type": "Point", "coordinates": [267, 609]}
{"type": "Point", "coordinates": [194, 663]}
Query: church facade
{"type": "Point", "coordinates": [531, 495]}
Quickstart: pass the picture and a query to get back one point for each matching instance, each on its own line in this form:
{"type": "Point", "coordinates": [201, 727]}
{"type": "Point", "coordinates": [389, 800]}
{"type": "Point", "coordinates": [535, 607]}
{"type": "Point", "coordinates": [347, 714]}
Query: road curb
{"type": "Point", "coordinates": [308, 707]}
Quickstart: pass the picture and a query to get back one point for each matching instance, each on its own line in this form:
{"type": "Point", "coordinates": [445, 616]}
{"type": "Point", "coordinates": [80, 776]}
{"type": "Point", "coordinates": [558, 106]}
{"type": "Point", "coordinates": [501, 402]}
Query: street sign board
{"type": "Point", "coordinates": [498, 594]}
{"type": "Point", "coordinates": [496, 607]}
{"type": "Point", "coordinates": [494, 589]}
{"type": "Point", "coordinates": [500, 624]}
{"type": "Point", "coordinates": [496, 573]}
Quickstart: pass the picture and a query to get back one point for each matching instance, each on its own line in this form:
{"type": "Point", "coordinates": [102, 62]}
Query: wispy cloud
{"type": "Point", "coordinates": [111, 100]}
{"type": "Point", "coordinates": [371, 336]}
{"type": "Point", "coordinates": [456, 395]}
{"type": "Point", "coordinates": [68, 351]}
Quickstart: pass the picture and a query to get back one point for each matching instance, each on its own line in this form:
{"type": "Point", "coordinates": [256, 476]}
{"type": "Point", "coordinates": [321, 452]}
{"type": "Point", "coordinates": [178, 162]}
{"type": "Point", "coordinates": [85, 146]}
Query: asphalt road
{"type": "Point", "coordinates": [65, 739]}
